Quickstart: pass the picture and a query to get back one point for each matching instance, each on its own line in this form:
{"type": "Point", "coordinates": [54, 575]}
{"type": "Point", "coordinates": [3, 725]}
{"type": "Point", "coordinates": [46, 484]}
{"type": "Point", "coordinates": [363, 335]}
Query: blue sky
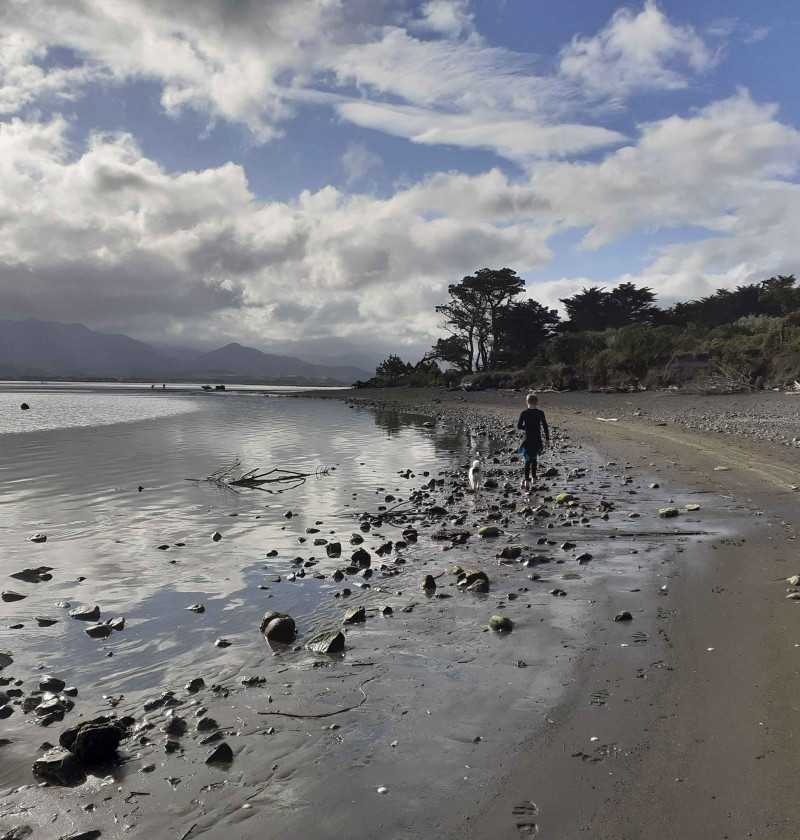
{"type": "Point", "coordinates": [308, 176]}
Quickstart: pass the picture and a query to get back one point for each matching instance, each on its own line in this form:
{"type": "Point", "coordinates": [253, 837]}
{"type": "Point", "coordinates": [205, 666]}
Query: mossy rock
{"type": "Point", "coordinates": [501, 622]}
{"type": "Point", "coordinates": [668, 513]}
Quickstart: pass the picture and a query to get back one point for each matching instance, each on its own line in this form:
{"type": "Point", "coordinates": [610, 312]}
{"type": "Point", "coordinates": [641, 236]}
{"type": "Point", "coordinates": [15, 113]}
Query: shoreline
{"type": "Point", "coordinates": [449, 697]}
{"type": "Point", "coordinates": [700, 739]}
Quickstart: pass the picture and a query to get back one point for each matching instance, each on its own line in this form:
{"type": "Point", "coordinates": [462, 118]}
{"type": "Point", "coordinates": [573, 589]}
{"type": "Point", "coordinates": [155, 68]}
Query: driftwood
{"type": "Point", "coordinates": [230, 478]}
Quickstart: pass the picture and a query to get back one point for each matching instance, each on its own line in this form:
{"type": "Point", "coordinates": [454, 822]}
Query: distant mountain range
{"type": "Point", "coordinates": [50, 350]}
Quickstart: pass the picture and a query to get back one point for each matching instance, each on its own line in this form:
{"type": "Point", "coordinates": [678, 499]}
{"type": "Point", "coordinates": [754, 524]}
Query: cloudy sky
{"type": "Point", "coordinates": [308, 176]}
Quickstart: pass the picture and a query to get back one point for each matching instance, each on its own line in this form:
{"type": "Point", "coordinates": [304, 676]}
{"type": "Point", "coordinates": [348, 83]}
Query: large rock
{"type": "Point", "coordinates": [623, 616]}
{"type": "Point", "coordinates": [94, 741]}
{"type": "Point", "coordinates": [10, 596]}
{"type": "Point", "coordinates": [361, 558]}
{"type": "Point", "coordinates": [86, 612]}
{"type": "Point", "coordinates": [489, 531]}
{"type": "Point", "coordinates": [37, 575]}
{"type": "Point", "coordinates": [333, 549]}
{"type": "Point", "coordinates": [474, 580]}
{"type": "Point", "coordinates": [354, 615]}
{"type": "Point", "coordinates": [668, 513]}
{"type": "Point", "coordinates": [330, 641]}
{"type": "Point", "coordinates": [221, 754]}
{"type": "Point", "coordinates": [510, 552]}
{"type": "Point", "coordinates": [60, 767]}
{"type": "Point", "coordinates": [278, 627]}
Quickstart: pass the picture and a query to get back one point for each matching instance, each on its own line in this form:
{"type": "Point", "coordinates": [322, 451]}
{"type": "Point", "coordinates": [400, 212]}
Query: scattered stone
{"type": "Point", "coordinates": [354, 615]}
{"type": "Point", "coordinates": [45, 620]}
{"type": "Point", "coordinates": [429, 582]}
{"type": "Point", "coordinates": [567, 546]}
{"type": "Point", "coordinates": [37, 538]}
{"type": "Point", "coordinates": [18, 832]}
{"type": "Point", "coordinates": [565, 498]}
{"type": "Point", "coordinates": [223, 643]}
{"type": "Point", "coordinates": [50, 683]}
{"type": "Point", "coordinates": [222, 754]}
{"type": "Point", "coordinates": [253, 680]}
{"type": "Point", "coordinates": [691, 507]}
{"type": "Point", "coordinates": [196, 608]}
{"type": "Point", "coordinates": [8, 596]}
{"type": "Point", "coordinates": [278, 627]}
{"type": "Point", "coordinates": [655, 485]}
{"type": "Point", "coordinates": [216, 536]}
{"type": "Point", "coordinates": [361, 558]}
{"type": "Point", "coordinates": [37, 575]}
{"type": "Point", "coordinates": [500, 622]}
{"type": "Point", "coordinates": [329, 641]}
{"type": "Point", "coordinates": [489, 531]}
{"type": "Point", "coordinates": [584, 558]}
{"type": "Point", "coordinates": [194, 685]}
{"type": "Point", "coordinates": [559, 593]}
{"type": "Point", "coordinates": [60, 767]}
{"type": "Point", "coordinates": [333, 549]}
{"type": "Point", "coordinates": [387, 610]}
{"type": "Point", "coordinates": [94, 741]}
{"type": "Point", "coordinates": [623, 616]}
{"type": "Point", "coordinates": [174, 726]}
{"type": "Point", "coordinates": [510, 552]}
{"type": "Point", "coordinates": [98, 631]}
{"type": "Point", "coordinates": [794, 580]}
{"type": "Point", "coordinates": [667, 513]}
{"type": "Point", "coordinates": [87, 612]}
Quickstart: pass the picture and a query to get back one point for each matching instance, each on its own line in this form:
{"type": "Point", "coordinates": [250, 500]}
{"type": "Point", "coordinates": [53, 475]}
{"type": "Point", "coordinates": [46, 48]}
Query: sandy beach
{"type": "Point", "coordinates": [676, 723]}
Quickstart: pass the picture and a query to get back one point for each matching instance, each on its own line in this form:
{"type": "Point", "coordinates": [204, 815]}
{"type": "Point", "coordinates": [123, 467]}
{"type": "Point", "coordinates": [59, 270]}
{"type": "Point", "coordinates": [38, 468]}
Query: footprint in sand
{"type": "Point", "coordinates": [523, 812]}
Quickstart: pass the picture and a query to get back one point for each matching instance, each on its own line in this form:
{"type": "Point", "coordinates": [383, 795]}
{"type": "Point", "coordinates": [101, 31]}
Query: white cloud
{"type": "Point", "coordinates": [357, 160]}
{"type": "Point", "coordinates": [636, 52]}
{"type": "Point", "coordinates": [109, 237]}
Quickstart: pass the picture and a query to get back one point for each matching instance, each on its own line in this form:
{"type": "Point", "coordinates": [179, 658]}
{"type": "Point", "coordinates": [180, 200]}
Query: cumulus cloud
{"type": "Point", "coordinates": [257, 62]}
{"type": "Point", "coordinates": [108, 236]}
{"type": "Point", "coordinates": [637, 52]}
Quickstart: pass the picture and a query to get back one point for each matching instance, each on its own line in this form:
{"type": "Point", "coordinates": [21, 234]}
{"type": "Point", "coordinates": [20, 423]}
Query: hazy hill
{"type": "Point", "coordinates": [48, 350]}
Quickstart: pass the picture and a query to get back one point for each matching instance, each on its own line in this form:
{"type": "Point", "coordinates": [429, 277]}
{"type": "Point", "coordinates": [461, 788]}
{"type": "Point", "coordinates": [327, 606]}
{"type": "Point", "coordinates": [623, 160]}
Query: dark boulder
{"type": "Point", "coordinates": [94, 741]}
{"type": "Point", "coordinates": [330, 641]}
{"type": "Point", "coordinates": [278, 627]}
{"type": "Point", "coordinates": [59, 767]}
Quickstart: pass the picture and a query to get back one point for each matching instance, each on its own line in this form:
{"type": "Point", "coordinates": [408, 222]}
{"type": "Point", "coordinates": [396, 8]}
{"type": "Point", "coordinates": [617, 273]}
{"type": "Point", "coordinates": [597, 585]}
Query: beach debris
{"type": "Point", "coordinates": [86, 612]}
{"type": "Point", "coordinates": [221, 754]}
{"type": "Point", "coordinates": [354, 615]}
{"type": "Point", "coordinates": [278, 627]}
{"type": "Point", "coordinates": [721, 469]}
{"type": "Point", "coordinates": [501, 622]}
{"type": "Point", "coordinates": [276, 480]}
{"type": "Point", "coordinates": [60, 767]}
{"type": "Point", "coordinates": [623, 616]}
{"type": "Point", "coordinates": [9, 596]}
{"type": "Point", "coordinates": [385, 789]}
{"type": "Point", "coordinates": [668, 512]}
{"type": "Point", "coordinates": [489, 531]}
{"type": "Point", "coordinates": [329, 641]}
{"type": "Point", "coordinates": [607, 419]}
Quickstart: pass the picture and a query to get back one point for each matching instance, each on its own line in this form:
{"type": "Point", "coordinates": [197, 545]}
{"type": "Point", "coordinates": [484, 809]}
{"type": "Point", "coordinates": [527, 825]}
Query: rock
{"type": "Point", "coordinates": [329, 641]}
{"type": "Point", "coordinates": [559, 593]}
{"type": "Point", "coordinates": [37, 538]}
{"type": "Point", "coordinates": [793, 596]}
{"type": "Point", "coordinates": [216, 536]}
{"type": "Point", "coordinates": [278, 627]}
{"type": "Point", "coordinates": [428, 582]}
{"type": "Point", "coordinates": [474, 580]}
{"type": "Point", "coordinates": [333, 549]}
{"type": "Point", "coordinates": [550, 472]}
{"type": "Point", "coordinates": [500, 622]}
{"type": "Point", "coordinates": [490, 484]}
{"type": "Point", "coordinates": [222, 643]}
{"type": "Point", "coordinates": [196, 608]}
{"type": "Point", "coordinates": [194, 685]}
{"type": "Point", "coordinates": [510, 552]}
{"type": "Point", "coordinates": [207, 724]}
{"type": "Point", "coordinates": [17, 832]}
{"type": "Point", "coordinates": [45, 620]}
{"type": "Point", "coordinates": [354, 615]}
{"type": "Point", "coordinates": [94, 741]}
{"type": "Point", "coordinates": [87, 612]}
{"type": "Point", "coordinates": [667, 513]}
{"type": "Point", "coordinates": [361, 558]}
{"type": "Point", "coordinates": [24, 407]}
{"type": "Point", "coordinates": [98, 631]}
{"type": "Point", "coordinates": [338, 575]}
{"type": "Point", "coordinates": [175, 726]}
{"type": "Point", "coordinates": [565, 498]}
{"type": "Point", "coordinates": [794, 580]}
{"type": "Point", "coordinates": [222, 754]}
{"type": "Point", "coordinates": [92, 834]}
{"type": "Point", "coordinates": [8, 596]}
{"type": "Point", "coordinates": [37, 575]}
{"type": "Point", "coordinates": [59, 766]}
{"type": "Point", "coordinates": [584, 558]}
{"type": "Point", "coordinates": [387, 610]}
{"type": "Point", "coordinates": [253, 680]}
{"type": "Point", "coordinates": [623, 616]}
{"type": "Point", "coordinates": [567, 546]}
{"type": "Point", "coordinates": [489, 531]}
{"type": "Point", "coordinates": [47, 682]}
{"type": "Point", "coordinates": [5, 658]}
{"type": "Point", "coordinates": [655, 485]}
{"type": "Point", "coordinates": [692, 507]}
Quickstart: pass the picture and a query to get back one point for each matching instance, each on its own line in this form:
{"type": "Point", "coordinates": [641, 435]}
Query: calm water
{"type": "Point", "coordinates": [73, 473]}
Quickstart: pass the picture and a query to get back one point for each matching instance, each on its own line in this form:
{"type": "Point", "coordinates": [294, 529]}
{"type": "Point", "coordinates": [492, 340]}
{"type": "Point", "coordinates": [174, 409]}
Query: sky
{"type": "Point", "coordinates": [309, 176]}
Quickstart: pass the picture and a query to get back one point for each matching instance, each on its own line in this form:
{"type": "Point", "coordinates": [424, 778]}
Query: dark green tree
{"type": "Point", "coordinates": [524, 329]}
{"type": "Point", "coordinates": [474, 318]}
{"type": "Point", "coordinates": [390, 371]}
{"type": "Point", "coordinates": [595, 309]}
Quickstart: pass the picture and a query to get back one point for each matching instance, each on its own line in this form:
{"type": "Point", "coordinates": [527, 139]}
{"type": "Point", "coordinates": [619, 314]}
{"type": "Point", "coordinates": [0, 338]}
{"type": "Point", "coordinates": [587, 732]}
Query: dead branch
{"type": "Point", "coordinates": [230, 478]}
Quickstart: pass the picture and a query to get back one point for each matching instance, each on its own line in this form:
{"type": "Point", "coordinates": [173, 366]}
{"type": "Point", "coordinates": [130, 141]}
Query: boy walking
{"type": "Point", "coordinates": [532, 420]}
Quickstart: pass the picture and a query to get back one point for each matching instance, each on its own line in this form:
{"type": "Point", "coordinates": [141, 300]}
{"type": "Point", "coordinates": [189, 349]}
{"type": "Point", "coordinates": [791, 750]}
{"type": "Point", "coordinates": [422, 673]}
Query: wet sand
{"type": "Point", "coordinates": [476, 734]}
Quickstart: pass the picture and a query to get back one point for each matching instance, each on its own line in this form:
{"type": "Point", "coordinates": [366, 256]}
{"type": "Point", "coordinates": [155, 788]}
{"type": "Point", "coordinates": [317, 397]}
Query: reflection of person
{"type": "Point", "coordinates": [532, 420]}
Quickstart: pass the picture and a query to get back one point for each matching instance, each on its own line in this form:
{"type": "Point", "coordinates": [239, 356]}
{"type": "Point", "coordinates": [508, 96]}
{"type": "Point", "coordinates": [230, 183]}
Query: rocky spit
{"type": "Point", "coordinates": [431, 553]}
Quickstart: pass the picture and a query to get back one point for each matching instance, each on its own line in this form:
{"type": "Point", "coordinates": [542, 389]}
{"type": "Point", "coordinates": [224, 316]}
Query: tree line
{"type": "Point", "coordinates": [491, 325]}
